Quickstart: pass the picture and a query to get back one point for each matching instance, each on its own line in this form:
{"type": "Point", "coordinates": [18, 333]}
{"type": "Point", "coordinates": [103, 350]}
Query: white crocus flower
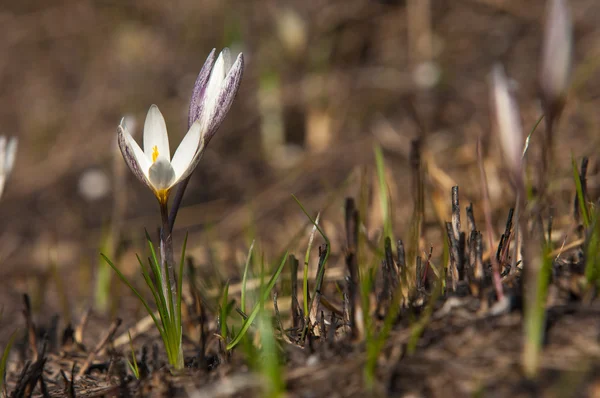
{"type": "Point", "coordinates": [8, 152]}
{"type": "Point", "coordinates": [213, 94]}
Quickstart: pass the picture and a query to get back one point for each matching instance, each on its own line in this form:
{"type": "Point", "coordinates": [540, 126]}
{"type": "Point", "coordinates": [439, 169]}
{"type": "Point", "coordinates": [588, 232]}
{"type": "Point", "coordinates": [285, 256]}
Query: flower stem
{"type": "Point", "coordinates": [166, 256]}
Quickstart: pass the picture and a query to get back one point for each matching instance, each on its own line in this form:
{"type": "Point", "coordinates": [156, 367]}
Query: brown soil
{"type": "Point", "coordinates": [69, 71]}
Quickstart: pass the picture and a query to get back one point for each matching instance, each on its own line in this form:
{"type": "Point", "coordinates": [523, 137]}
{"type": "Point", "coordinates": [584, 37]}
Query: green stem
{"type": "Point", "coordinates": [166, 257]}
{"type": "Point", "coordinates": [169, 284]}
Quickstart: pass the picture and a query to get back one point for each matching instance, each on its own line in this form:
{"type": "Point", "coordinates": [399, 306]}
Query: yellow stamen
{"type": "Point", "coordinates": [154, 153]}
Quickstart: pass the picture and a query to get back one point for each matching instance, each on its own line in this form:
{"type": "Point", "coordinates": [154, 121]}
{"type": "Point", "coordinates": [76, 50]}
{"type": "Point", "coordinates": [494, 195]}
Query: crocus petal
{"type": "Point", "coordinates": [2, 155]}
{"type": "Point", "coordinates": [133, 155]}
{"type": "Point", "coordinates": [197, 98]}
{"type": "Point", "coordinates": [155, 134]}
{"type": "Point", "coordinates": [508, 119]}
{"type": "Point", "coordinates": [185, 153]}
{"type": "Point", "coordinates": [11, 154]}
{"type": "Point", "coordinates": [556, 53]}
{"type": "Point", "coordinates": [217, 108]}
{"type": "Point", "coordinates": [225, 98]}
{"type": "Point", "coordinates": [161, 174]}
{"type": "Point", "coordinates": [213, 87]}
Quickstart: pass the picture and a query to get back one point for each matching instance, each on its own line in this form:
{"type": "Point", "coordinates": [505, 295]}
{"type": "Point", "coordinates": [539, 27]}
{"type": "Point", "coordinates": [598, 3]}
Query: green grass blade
{"type": "Point", "coordinates": [180, 287]}
{"type": "Point", "coordinates": [306, 261]}
{"type": "Point", "coordinates": [138, 295]}
{"type": "Point", "coordinates": [256, 309]}
{"type": "Point", "coordinates": [593, 249]}
{"type": "Point", "coordinates": [224, 312]}
{"type": "Point", "coordinates": [270, 365]}
{"type": "Point", "coordinates": [321, 273]}
{"type": "Point", "coordinates": [384, 198]}
{"type": "Point", "coordinates": [585, 217]}
{"type": "Point", "coordinates": [133, 365]}
{"type": "Point", "coordinates": [171, 304]}
{"type": "Point", "coordinates": [245, 277]}
{"type": "Point", "coordinates": [529, 136]}
{"type": "Point", "coordinates": [157, 294]}
{"type": "Point", "coordinates": [4, 360]}
{"type": "Point", "coordinates": [154, 263]}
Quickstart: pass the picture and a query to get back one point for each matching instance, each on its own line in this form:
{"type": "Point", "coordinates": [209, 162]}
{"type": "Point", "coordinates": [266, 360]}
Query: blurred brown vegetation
{"type": "Point", "coordinates": [324, 81]}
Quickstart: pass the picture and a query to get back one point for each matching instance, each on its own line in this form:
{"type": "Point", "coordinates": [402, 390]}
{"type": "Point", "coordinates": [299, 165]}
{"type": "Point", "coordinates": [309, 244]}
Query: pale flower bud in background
{"type": "Point", "coordinates": [8, 152]}
{"type": "Point", "coordinates": [555, 68]}
{"type": "Point", "coordinates": [292, 30]}
{"type": "Point", "coordinates": [94, 184]}
{"type": "Point", "coordinates": [508, 120]}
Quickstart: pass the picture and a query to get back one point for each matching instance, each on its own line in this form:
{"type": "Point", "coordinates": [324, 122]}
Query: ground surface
{"type": "Point", "coordinates": [332, 84]}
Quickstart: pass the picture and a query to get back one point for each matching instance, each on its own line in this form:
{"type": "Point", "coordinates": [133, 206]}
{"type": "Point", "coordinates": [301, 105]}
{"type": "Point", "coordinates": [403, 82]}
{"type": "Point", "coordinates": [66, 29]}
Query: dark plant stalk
{"type": "Point", "coordinates": [176, 204]}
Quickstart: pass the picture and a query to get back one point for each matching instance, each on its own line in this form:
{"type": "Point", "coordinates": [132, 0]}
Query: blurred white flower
{"type": "Point", "coordinates": [555, 68]}
{"type": "Point", "coordinates": [8, 152]}
{"type": "Point", "coordinates": [213, 94]}
{"type": "Point", "coordinates": [94, 184]}
{"type": "Point", "coordinates": [427, 74]}
{"type": "Point", "coordinates": [508, 120]}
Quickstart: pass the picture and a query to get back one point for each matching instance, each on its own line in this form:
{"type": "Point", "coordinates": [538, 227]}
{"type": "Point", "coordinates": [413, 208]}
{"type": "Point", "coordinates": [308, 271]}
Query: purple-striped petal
{"type": "Point", "coordinates": [229, 89]}
{"type": "Point", "coordinates": [197, 98]}
{"type": "Point", "coordinates": [133, 158]}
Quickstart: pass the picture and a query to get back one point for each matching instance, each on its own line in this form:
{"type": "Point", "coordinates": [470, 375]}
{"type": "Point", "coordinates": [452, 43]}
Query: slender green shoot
{"type": "Point", "coordinates": [535, 317]}
{"type": "Point", "coordinates": [265, 295]}
{"type": "Point", "coordinates": [384, 198]}
{"type": "Point", "coordinates": [133, 365]}
{"type": "Point", "coordinates": [224, 311]}
{"type": "Point", "coordinates": [592, 260]}
{"type": "Point", "coordinates": [580, 197]}
{"type": "Point", "coordinates": [311, 238]}
{"type": "Point", "coordinates": [103, 274]}
{"type": "Point", "coordinates": [526, 147]}
{"type": "Point", "coordinates": [245, 277]}
{"type": "Point", "coordinates": [321, 272]}
{"type": "Point", "coordinates": [169, 308]}
{"type": "Point", "coordinates": [270, 365]}
{"type": "Point", "coordinates": [372, 339]}
{"type": "Point", "coordinates": [4, 360]}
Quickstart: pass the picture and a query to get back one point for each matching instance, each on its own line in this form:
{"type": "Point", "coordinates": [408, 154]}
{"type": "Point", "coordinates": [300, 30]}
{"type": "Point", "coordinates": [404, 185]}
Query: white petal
{"type": "Point", "coordinates": [182, 160]}
{"type": "Point", "coordinates": [213, 88]}
{"type": "Point", "coordinates": [2, 155]}
{"type": "Point", "coordinates": [161, 174]}
{"type": "Point", "coordinates": [508, 119]}
{"type": "Point", "coordinates": [211, 119]}
{"type": "Point", "coordinates": [155, 134]}
{"type": "Point", "coordinates": [11, 154]}
{"type": "Point", "coordinates": [133, 155]}
{"type": "Point", "coordinates": [226, 53]}
{"type": "Point", "coordinates": [556, 51]}
{"type": "Point", "coordinates": [214, 116]}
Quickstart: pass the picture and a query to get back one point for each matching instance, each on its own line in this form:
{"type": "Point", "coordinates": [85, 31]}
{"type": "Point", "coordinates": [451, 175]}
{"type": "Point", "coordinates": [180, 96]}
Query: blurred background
{"type": "Point", "coordinates": [324, 81]}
